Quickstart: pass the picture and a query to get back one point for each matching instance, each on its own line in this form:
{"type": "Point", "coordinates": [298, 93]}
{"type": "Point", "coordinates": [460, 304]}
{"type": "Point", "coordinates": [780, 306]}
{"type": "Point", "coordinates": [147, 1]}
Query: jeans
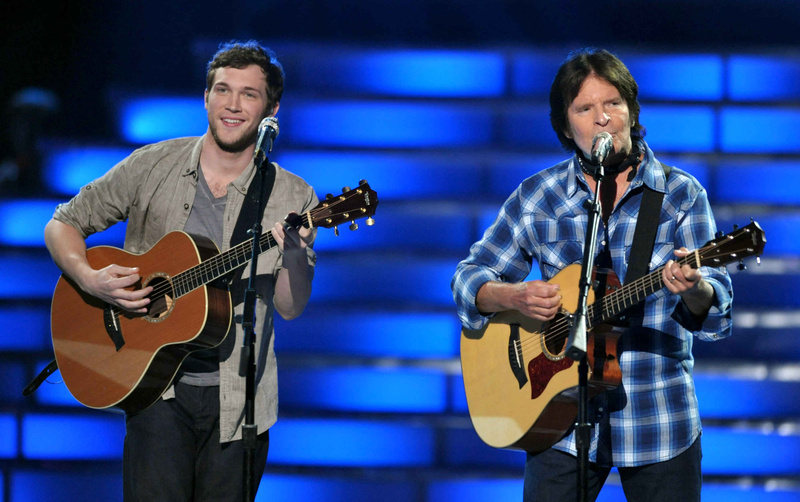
{"type": "Point", "coordinates": [172, 452]}
{"type": "Point", "coordinates": [553, 475]}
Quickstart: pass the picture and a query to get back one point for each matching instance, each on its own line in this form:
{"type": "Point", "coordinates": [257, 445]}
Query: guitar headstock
{"type": "Point", "coordinates": [742, 243]}
{"type": "Point", "coordinates": [351, 205]}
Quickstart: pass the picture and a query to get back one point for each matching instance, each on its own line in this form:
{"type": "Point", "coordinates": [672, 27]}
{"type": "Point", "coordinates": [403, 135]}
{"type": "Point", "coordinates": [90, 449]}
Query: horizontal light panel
{"type": "Point", "coordinates": [400, 390]}
{"type": "Point", "coordinates": [415, 73]}
{"type": "Point", "coordinates": [386, 125]}
{"type": "Point", "coordinates": [25, 328]}
{"type": "Point", "coordinates": [722, 396]}
{"type": "Point", "coordinates": [371, 280]}
{"type": "Point", "coordinates": [22, 221]}
{"type": "Point", "coordinates": [28, 276]}
{"type": "Point", "coordinates": [776, 182]}
{"type": "Point", "coordinates": [759, 130]}
{"type": "Point", "coordinates": [8, 435]}
{"type": "Point", "coordinates": [750, 452]}
{"type": "Point", "coordinates": [679, 128]}
{"type": "Point", "coordinates": [350, 443]}
{"type": "Point", "coordinates": [372, 334]}
{"type": "Point", "coordinates": [764, 78]}
{"type": "Point", "coordinates": [67, 168]}
{"type": "Point", "coordinates": [96, 436]}
{"type": "Point", "coordinates": [65, 486]}
{"type": "Point", "coordinates": [392, 176]}
{"type": "Point", "coordinates": [475, 490]}
{"type": "Point", "coordinates": [679, 77]}
{"type": "Point", "coordinates": [151, 119]}
{"type": "Point", "coordinates": [280, 488]}
{"type": "Point", "coordinates": [403, 229]}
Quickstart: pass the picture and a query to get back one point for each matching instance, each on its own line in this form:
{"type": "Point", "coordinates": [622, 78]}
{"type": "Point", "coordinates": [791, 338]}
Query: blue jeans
{"type": "Point", "coordinates": [172, 451]}
{"type": "Point", "coordinates": [553, 475]}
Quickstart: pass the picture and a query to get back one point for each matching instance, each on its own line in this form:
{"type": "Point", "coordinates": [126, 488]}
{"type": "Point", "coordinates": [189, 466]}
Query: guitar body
{"type": "Point", "coordinates": [521, 390]}
{"type": "Point", "coordinates": [130, 364]}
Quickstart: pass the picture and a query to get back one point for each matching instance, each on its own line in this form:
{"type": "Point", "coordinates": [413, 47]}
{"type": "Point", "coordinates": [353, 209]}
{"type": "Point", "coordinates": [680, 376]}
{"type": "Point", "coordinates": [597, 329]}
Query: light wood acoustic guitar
{"type": "Point", "coordinates": [109, 357]}
{"type": "Point", "coordinates": [522, 391]}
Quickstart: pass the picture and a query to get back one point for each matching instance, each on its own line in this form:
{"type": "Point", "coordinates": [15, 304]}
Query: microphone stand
{"type": "Point", "coordinates": [247, 362]}
{"type": "Point", "coordinates": [576, 343]}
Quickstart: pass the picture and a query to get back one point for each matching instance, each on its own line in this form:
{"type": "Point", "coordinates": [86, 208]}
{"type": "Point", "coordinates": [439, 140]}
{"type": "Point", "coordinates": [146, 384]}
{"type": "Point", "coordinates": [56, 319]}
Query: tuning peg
{"type": "Point", "coordinates": [735, 227]}
{"type": "Point", "coordinates": [362, 182]}
{"type": "Point", "coordinates": [370, 221]}
{"type": "Point", "coordinates": [345, 189]}
{"type": "Point", "coordinates": [718, 234]}
{"type": "Point", "coordinates": [758, 260]}
{"type": "Point", "coordinates": [741, 265]}
{"type": "Point", "coordinates": [329, 196]}
{"type": "Point", "coordinates": [336, 231]}
{"type": "Point", "coordinates": [353, 225]}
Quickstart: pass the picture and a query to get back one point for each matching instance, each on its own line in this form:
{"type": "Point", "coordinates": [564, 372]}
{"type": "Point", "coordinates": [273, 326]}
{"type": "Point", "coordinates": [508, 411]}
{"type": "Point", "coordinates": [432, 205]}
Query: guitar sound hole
{"type": "Point", "coordinates": [161, 299]}
{"type": "Point", "coordinates": [555, 336]}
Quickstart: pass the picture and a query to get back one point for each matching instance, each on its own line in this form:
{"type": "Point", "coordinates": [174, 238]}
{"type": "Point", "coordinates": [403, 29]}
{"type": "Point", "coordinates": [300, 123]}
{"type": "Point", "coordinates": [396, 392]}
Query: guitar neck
{"type": "Point", "coordinates": [613, 304]}
{"type": "Point", "coordinates": [224, 263]}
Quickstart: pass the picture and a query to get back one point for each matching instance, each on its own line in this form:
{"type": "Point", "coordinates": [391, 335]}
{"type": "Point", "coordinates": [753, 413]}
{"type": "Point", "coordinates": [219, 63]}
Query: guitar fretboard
{"type": "Point", "coordinates": [222, 264]}
{"type": "Point", "coordinates": [629, 295]}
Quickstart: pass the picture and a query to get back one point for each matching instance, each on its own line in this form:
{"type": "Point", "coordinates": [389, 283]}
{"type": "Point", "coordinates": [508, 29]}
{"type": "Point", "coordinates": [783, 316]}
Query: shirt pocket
{"type": "Point", "coordinates": [555, 256]}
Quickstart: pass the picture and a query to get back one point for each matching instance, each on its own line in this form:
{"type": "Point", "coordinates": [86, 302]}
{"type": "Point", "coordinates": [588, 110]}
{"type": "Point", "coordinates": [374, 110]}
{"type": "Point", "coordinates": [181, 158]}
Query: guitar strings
{"type": "Point", "coordinates": [619, 298]}
{"type": "Point", "coordinates": [605, 304]}
{"type": "Point", "coordinates": [221, 263]}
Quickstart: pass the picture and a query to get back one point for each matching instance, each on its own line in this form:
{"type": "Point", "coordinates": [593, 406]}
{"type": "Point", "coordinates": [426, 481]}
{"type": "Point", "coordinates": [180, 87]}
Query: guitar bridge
{"type": "Point", "coordinates": [111, 322]}
{"type": "Point", "coordinates": [515, 360]}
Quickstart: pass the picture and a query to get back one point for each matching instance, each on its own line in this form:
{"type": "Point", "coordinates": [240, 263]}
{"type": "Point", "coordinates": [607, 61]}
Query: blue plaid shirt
{"type": "Point", "coordinates": [653, 415]}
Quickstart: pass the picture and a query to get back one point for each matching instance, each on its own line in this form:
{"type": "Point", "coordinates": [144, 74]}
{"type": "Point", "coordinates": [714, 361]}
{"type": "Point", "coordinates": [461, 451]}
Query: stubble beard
{"type": "Point", "coordinates": [236, 146]}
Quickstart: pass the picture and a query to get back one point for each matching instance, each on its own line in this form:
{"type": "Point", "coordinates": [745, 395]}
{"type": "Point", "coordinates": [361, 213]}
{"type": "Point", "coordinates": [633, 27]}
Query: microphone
{"type": "Point", "coordinates": [267, 132]}
{"type": "Point", "coordinates": [601, 147]}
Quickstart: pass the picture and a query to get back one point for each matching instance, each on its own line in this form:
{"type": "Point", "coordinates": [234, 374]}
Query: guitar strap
{"type": "Point", "coordinates": [249, 214]}
{"type": "Point", "coordinates": [644, 236]}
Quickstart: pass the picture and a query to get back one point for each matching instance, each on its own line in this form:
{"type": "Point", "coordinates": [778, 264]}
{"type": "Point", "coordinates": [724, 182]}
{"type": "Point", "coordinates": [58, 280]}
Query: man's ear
{"type": "Point", "coordinates": [274, 110]}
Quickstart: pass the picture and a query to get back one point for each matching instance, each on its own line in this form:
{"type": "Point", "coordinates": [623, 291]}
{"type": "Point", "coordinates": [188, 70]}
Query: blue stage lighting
{"type": "Point", "coordinates": [763, 78]}
{"type": "Point", "coordinates": [400, 390]}
{"type": "Point", "coordinates": [416, 73]}
{"type": "Point", "coordinates": [393, 176]}
{"type": "Point", "coordinates": [322, 488]}
{"type": "Point", "coordinates": [149, 120]}
{"type": "Point", "coordinates": [88, 436]}
{"type": "Point", "coordinates": [759, 130]}
{"type": "Point", "coordinates": [678, 77]}
{"type": "Point", "coordinates": [679, 128]}
{"type": "Point", "coordinates": [370, 334]}
{"type": "Point", "coordinates": [68, 168]}
{"type": "Point", "coordinates": [351, 443]}
{"type": "Point", "coordinates": [777, 183]}
{"type": "Point", "coordinates": [387, 125]}
{"type": "Point", "coordinates": [8, 435]}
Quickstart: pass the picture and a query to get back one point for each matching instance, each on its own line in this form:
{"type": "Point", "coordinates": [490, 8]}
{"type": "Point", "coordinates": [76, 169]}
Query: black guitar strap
{"type": "Point", "coordinates": [644, 236]}
{"type": "Point", "coordinates": [249, 214]}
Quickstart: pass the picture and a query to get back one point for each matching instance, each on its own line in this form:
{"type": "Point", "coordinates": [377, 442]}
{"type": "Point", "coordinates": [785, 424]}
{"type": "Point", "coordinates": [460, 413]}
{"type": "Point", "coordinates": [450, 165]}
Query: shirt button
{"type": "Point", "coordinates": [186, 206]}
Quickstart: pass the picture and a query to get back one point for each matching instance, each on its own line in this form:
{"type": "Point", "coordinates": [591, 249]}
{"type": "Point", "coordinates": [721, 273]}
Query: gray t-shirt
{"type": "Point", "coordinates": [201, 368]}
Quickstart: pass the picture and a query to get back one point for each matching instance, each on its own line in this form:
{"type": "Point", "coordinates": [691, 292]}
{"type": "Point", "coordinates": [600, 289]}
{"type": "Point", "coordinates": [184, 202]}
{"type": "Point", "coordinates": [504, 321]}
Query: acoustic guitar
{"type": "Point", "coordinates": [522, 392]}
{"type": "Point", "coordinates": [109, 357]}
